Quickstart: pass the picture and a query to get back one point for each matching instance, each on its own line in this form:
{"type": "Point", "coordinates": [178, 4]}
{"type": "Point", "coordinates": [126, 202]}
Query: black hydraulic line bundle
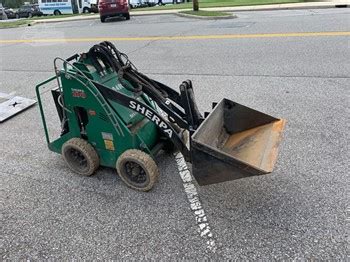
{"type": "Point", "coordinates": [186, 108]}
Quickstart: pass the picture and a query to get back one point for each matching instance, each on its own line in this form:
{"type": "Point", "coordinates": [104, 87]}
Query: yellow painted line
{"type": "Point", "coordinates": [187, 37]}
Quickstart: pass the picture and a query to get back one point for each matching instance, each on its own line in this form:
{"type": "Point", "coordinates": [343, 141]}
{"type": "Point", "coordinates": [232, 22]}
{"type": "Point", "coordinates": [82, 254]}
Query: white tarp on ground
{"type": "Point", "coordinates": [12, 105]}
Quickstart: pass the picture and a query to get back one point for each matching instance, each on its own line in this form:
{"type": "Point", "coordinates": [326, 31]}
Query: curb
{"type": "Point", "coordinates": [230, 16]}
{"type": "Point", "coordinates": [58, 20]}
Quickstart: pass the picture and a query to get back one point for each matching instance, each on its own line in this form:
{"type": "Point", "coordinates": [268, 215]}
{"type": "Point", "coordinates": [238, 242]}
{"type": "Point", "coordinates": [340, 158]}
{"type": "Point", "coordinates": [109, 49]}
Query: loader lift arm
{"type": "Point", "coordinates": [182, 106]}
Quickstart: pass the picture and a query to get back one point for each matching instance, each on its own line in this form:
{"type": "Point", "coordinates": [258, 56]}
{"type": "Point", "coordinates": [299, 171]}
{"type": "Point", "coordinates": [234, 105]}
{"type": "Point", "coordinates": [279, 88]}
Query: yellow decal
{"type": "Point", "coordinates": [109, 144]}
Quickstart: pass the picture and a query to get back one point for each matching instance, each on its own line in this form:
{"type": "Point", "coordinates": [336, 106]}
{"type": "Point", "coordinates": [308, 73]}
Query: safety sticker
{"type": "Point", "coordinates": [107, 136]}
{"type": "Point", "coordinates": [109, 144]}
{"type": "Point", "coordinates": [108, 139]}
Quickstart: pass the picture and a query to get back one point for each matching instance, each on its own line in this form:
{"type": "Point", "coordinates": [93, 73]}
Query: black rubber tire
{"type": "Point", "coordinates": [17, 16]}
{"type": "Point", "coordinates": [127, 16]}
{"type": "Point", "coordinates": [57, 12]}
{"type": "Point", "coordinates": [103, 19]}
{"type": "Point", "coordinates": [79, 148]}
{"type": "Point", "coordinates": [141, 160]}
{"type": "Point", "coordinates": [30, 15]}
{"type": "Point", "coordinates": [86, 10]}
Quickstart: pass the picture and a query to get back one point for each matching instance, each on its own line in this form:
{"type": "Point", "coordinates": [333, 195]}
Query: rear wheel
{"type": "Point", "coordinates": [86, 10]}
{"type": "Point", "coordinates": [137, 169]}
{"type": "Point", "coordinates": [30, 15]}
{"type": "Point", "coordinates": [103, 19]}
{"type": "Point", "coordinates": [57, 12]}
{"type": "Point", "coordinates": [127, 16]}
{"type": "Point", "coordinates": [80, 156]}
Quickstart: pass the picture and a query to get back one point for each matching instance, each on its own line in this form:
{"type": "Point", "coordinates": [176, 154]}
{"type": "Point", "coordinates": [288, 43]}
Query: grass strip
{"type": "Point", "coordinates": [12, 24]}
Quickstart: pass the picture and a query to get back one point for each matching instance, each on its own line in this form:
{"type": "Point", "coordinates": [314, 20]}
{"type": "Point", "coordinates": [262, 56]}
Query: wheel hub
{"type": "Point", "coordinates": [135, 172]}
{"type": "Point", "coordinates": [77, 158]}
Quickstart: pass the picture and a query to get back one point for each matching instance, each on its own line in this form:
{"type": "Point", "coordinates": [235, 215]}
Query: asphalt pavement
{"type": "Point", "coordinates": [300, 211]}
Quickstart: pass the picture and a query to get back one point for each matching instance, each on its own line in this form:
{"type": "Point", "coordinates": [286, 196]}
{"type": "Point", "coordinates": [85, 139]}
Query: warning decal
{"type": "Point", "coordinates": [109, 144]}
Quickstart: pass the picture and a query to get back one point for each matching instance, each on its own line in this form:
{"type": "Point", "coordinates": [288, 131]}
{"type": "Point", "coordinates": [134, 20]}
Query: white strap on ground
{"type": "Point", "coordinates": [196, 205]}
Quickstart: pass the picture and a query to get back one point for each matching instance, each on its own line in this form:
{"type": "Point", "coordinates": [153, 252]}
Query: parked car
{"type": "Point", "coordinates": [113, 8]}
{"type": "Point", "coordinates": [28, 11]}
{"type": "Point", "coordinates": [93, 6]}
{"type": "Point", "coordinates": [150, 3]}
{"type": "Point", "coordinates": [143, 3]}
{"type": "Point", "coordinates": [10, 13]}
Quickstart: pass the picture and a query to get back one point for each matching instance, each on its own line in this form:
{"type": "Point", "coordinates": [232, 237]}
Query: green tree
{"type": "Point", "coordinates": [14, 3]}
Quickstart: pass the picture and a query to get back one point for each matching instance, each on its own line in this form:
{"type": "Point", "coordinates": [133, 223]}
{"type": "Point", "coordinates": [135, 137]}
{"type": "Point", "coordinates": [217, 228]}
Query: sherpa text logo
{"type": "Point", "coordinates": [151, 116]}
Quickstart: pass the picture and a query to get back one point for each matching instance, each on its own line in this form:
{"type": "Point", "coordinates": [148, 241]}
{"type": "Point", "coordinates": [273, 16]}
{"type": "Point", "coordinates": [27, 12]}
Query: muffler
{"type": "Point", "coordinates": [234, 142]}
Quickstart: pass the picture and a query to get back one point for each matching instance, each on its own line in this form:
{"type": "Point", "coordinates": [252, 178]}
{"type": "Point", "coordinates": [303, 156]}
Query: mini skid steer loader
{"type": "Point", "coordinates": [114, 116]}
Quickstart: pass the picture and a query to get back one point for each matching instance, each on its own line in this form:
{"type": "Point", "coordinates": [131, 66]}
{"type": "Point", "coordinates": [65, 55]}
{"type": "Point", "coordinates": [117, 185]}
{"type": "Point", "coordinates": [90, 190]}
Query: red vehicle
{"type": "Point", "coordinates": [113, 8]}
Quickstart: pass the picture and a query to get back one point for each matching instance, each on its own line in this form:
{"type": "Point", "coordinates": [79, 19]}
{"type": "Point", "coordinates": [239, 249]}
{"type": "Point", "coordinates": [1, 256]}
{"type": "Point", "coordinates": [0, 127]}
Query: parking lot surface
{"type": "Point", "coordinates": [299, 211]}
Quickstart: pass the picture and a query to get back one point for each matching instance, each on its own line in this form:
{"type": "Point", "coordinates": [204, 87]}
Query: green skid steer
{"type": "Point", "coordinates": [114, 116]}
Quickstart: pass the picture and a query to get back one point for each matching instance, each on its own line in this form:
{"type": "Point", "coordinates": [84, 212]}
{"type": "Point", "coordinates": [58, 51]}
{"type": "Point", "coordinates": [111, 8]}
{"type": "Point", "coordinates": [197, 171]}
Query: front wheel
{"type": "Point", "coordinates": [137, 169]}
{"type": "Point", "coordinates": [30, 15]}
{"type": "Point", "coordinates": [57, 12]}
{"type": "Point", "coordinates": [17, 16]}
{"type": "Point", "coordinates": [103, 19]}
{"type": "Point", "coordinates": [127, 16]}
{"type": "Point", "coordinates": [86, 10]}
{"type": "Point", "coordinates": [80, 156]}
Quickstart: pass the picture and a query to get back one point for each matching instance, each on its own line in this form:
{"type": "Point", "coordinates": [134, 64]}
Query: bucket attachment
{"type": "Point", "coordinates": [233, 142]}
